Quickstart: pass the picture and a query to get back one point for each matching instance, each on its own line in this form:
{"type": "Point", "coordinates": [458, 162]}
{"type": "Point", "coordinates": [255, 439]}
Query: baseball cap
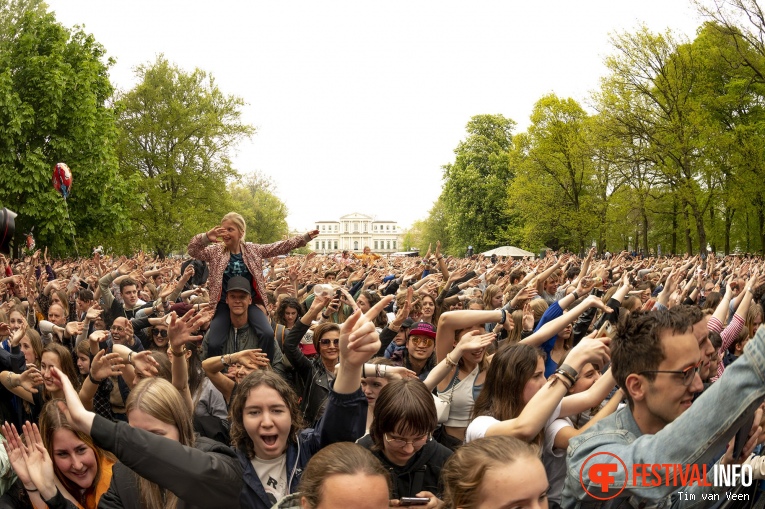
{"type": "Point", "coordinates": [239, 283]}
{"type": "Point", "coordinates": [423, 329]}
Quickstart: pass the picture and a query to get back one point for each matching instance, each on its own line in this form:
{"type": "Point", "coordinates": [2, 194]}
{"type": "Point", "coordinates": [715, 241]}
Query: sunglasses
{"type": "Point", "coordinates": [421, 341]}
{"type": "Point", "coordinates": [158, 332]}
{"type": "Point", "coordinates": [326, 342]}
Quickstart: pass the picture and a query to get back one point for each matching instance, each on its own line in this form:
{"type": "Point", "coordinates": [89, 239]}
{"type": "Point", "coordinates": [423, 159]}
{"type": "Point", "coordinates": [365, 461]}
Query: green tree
{"type": "Point", "coordinates": [474, 194]}
{"type": "Point", "coordinates": [177, 133]}
{"type": "Point", "coordinates": [54, 88]}
{"type": "Point", "coordinates": [265, 214]}
{"type": "Point", "coordinates": [554, 189]}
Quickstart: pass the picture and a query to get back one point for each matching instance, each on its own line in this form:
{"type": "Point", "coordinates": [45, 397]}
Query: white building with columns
{"type": "Point", "coordinates": [355, 231]}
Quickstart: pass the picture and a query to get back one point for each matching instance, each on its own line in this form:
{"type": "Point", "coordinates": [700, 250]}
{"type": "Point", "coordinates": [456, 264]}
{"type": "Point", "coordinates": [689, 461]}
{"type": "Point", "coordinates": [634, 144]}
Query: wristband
{"type": "Point", "coordinates": [31, 489]}
{"type": "Point", "coordinates": [449, 362]}
{"type": "Point", "coordinates": [130, 359]}
{"type": "Point", "coordinates": [565, 381]}
{"type": "Point", "coordinates": [504, 316]}
{"type": "Point", "coordinates": [326, 317]}
{"type": "Point", "coordinates": [576, 295]}
{"type": "Point", "coordinates": [223, 361]}
{"type": "Point", "coordinates": [571, 372]}
{"type": "Point", "coordinates": [93, 380]}
{"type": "Point", "coordinates": [181, 354]}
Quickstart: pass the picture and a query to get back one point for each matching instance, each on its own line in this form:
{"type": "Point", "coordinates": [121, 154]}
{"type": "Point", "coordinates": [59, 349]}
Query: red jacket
{"type": "Point", "coordinates": [217, 257]}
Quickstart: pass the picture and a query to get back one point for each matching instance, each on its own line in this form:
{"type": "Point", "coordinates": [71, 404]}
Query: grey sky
{"type": "Point", "coordinates": [358, 104]}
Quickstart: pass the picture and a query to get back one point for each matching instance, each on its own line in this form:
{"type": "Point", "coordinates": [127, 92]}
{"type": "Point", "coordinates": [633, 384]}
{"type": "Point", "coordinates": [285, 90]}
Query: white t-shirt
{"type": "Point", "coordinates": [478, 427]}
{"type": "Point", "coordinates": [273, 476]}
{"type": "Point", "coordinates": [554, 459]}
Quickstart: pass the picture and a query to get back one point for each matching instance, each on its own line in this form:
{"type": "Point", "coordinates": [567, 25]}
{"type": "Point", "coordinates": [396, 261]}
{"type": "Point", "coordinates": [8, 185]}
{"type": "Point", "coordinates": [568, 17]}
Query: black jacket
{"type": "Point", "coordinates": [207, 475]}
{"type": "Point", "coordinates": [312, 376]}
{"type": "Point", "coordinates": [421, 473]}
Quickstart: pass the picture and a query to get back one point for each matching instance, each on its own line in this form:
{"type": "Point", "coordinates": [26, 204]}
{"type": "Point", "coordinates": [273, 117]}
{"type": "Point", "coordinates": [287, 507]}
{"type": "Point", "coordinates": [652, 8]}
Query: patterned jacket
{"type": "Point", "coordinates": [217, 258]}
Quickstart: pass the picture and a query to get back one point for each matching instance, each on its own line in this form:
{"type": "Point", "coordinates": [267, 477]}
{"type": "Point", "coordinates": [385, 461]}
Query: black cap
{"type": "Point", "coordinates": [239, 283]}
{"type": "Point", "coordinates": [7, 229]}
{"type": "Point", "coordinates": [407, 323]}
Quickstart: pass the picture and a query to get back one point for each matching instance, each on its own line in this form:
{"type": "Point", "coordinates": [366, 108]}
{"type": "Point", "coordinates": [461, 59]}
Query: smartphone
{"type": "Point", "coordinates": [741, 437]}
{"type": "Point", "coordinates": [407, 501]}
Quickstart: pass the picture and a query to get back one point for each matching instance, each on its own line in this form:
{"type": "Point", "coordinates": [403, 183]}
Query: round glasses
{"type": "Point", "coordinates": [687, 375]}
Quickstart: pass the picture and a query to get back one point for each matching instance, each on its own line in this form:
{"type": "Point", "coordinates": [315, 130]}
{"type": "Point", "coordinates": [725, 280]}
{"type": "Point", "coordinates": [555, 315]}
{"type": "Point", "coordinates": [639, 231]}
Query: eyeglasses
{"type": "Point", "coordinates": [398, 442]}
{"type": "Point", "coordinates": [117, 328]}
{"type": "Point", "coordinates": [326, 342]}
{"type": "Point", "coordinates": [688, 374]}
{"type": "Point", "coordinates": [421, 341]}
{"type": "Point", "coordinates": [158, 332]}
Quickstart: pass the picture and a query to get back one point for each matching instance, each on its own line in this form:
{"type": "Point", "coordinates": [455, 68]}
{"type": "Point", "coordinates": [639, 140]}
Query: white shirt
{"type": "Point", "coordinates": [273, 476]}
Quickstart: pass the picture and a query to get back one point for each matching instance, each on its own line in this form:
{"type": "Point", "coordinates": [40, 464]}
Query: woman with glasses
{"type": "Point", "coordinates": [314, 376]}
{"type": "Point", "coordinates": [158, 339]}
{"type": "Point", "coordinates": [401, 438]}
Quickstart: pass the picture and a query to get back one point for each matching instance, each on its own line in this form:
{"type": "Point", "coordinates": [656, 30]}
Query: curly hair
{"type": "Point", "coordinates": [239, 436]}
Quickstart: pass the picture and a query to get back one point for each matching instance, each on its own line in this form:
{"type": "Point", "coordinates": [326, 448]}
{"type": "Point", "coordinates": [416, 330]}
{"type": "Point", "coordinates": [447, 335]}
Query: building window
{"type": "Point", "coordinates": [335, 244]}
{"type": "Point", "coordinates": [389, 244]}
{"type": "Point", "coordinates": [394, 244]}
{"type": "Point", "coordinates": [317, 245]}
{"type": "Point", "coordinates": [374, 227]}
{"type": "Point", "coordinates": [355, 245]}
{"type": "Point", "coordinates": [323, 245]}
{"type": "Point", "coordinates": [376, 248]}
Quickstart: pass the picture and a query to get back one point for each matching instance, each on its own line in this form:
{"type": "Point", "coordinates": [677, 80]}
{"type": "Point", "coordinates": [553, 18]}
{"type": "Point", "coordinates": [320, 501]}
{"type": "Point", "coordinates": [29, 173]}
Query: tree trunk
{"type": "Point", "coordinates": [645, 233]}
{"type": "Point", "coordinates": [688, 239]}
{"type": "Point", "coordinates": [674, 225]}
{"type": "Point", "coordinates": [729, 213]}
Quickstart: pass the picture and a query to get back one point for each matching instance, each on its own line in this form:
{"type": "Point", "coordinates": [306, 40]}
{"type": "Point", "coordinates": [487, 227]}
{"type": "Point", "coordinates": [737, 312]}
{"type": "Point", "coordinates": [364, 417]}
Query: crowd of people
{"type": "Point", "coordinates": [244, 376]}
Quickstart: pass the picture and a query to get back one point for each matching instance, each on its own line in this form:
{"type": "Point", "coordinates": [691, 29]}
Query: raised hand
{"type": "Point", "coordinates": [359, 340]}
{"type": "Point", "coordinates": [94, 312]}
{"type": "Point", "coordinates": [14, 446]}
{"type": "Point", "coordinates": [474, 340]}
{"type": "Point", "coordinates": [144, 364]}
{"type": "Point", "coordinates": [19, 334]}
{"type": "Point", "coordinates": [179, 330]}
{"type": "Point", "coordinates": [105, 365]}
{"type": "Point", "coordinates": [216, 232]}
{"type": "Point", "coordinates": [39, 463]}
{"type": "Point", "coordinates": [253, 359]}
{"type": "Point", "coordinates": [30, 379]}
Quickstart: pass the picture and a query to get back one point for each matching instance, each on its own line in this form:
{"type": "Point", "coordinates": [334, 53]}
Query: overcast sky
{"type": "Point", "coordinates": [358, 104]}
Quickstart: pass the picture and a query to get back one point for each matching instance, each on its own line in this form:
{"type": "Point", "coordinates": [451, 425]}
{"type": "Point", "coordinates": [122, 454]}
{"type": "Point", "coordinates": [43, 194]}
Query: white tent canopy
{"type": "Point", "coordinates": [513, 251]}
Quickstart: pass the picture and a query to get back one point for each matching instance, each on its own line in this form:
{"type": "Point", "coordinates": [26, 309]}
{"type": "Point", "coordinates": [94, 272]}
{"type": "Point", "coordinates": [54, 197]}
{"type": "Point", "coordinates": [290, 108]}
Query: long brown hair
{"type": "Point", "coordinates": [67, 366]}
{"type": "Point", "coordinates": [502, 393]}
{"type": "Point", "coordinates": [53, 419]}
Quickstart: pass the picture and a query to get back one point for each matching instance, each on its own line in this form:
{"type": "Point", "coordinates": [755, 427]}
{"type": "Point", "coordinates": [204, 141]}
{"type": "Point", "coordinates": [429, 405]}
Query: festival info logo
{"type": "Point", "coordinates": [606, 478]}
{"type": "Point", "coordinates": [602, 473]}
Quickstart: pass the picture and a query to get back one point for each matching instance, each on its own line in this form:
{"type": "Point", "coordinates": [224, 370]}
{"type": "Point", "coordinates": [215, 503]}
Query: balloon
{"type": "Point", "coordinates": [62, 179]}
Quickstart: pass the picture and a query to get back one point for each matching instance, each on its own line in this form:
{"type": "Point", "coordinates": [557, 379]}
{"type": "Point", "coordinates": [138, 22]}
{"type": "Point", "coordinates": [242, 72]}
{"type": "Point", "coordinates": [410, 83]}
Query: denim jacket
{"type": "Point", "coordinates": [698, 436]}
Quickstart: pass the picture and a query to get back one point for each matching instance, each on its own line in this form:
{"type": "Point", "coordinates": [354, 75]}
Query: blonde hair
{"type": "Point", "coordinates": [464, 471]}
{"type": "Point", "coordinates": [238, 221]}
{"type": "Point", "coordinates": [158, 398]}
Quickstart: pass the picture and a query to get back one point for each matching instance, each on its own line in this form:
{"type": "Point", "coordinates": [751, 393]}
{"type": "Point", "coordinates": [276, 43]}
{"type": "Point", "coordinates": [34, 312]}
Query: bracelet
{"type": "Point", "coordinates": [183, 352]}
{"type": "Point", "coordinates": [576, 295]}
{"type": "Point", "coordinates": [93, 380]}
{"type": "Point", "coordinates": [449, 362]}
{"type": "Point", "coordinates": [31, 489]}
{"type": "Point", "coordinates": [571, 372]}
{"type": "Point", "coordinates": [504, 316]}
{"type": "Point", "coordinates": [130, 359]}
{"type": "Point", "coordinates": [556, 376]}
{"type": "Point", "coordinates": [565, 375]}
{"type": "Point", "coordinates": [10, 380]}
{"type": "Point", "coordinates": [326, 317]}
